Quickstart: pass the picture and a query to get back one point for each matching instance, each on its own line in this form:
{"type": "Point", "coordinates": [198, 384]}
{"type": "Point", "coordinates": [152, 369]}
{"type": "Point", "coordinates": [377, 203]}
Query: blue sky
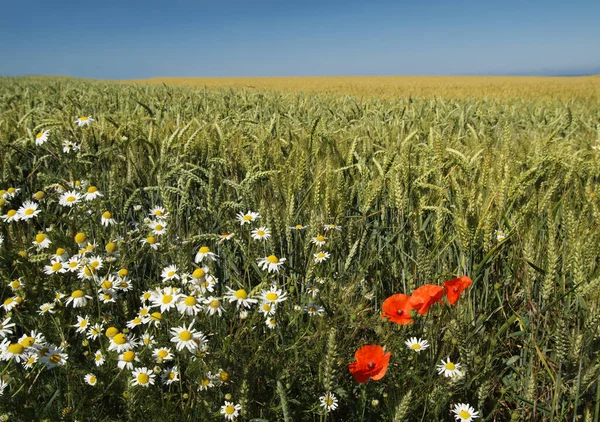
{"type": "Point", "coordinates": [139, 39]}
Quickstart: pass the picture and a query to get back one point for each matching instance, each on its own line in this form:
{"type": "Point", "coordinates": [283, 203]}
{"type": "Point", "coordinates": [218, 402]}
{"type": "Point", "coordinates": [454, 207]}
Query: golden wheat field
{"type": "Point", "coordinates": [300, 249]}
{"type": "Point", "coordinates": [521, 87]}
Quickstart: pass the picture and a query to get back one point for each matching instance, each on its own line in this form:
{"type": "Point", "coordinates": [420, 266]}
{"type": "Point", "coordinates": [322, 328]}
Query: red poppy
{"type": "Point", "coordinates": [397, 309]}
{"type": "Point", "coordinates": [455, 287]}
{"type": "Point", "coordinates": [371, 363]}
{"type": "Point", "coordinates": [425, 296]}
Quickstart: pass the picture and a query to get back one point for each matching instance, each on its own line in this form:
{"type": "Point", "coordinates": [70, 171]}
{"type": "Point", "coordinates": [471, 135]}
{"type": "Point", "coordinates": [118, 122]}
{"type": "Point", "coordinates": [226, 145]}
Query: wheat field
{"type": "Point", "coordinates": [179, 253]}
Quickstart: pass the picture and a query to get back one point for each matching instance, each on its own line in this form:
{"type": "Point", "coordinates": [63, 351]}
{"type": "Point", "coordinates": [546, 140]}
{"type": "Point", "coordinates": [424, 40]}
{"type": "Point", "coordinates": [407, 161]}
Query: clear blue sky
{"type": "Point", "coordinates": [139, 39]}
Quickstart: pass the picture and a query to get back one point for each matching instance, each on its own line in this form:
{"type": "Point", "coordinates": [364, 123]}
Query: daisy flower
{"type": "Point", "coordinates": [90, 379]}
{"type": "Point", "coordinates": [297, 227]}
{"type": "Point", "coordinates": [240, 297]}
{"type": "Point", "coordinates": [69, 198]}
{"type": "Point", "coordinates": [150, 241]}
{"type": "Point", "coordinates": [500, 235]}
{"type": "Point", "coordinates": [13, 350]}
{"type": "Point", "coordinates": [148, 339]}
{"type": "Point", "coordinates": [188, 337]}
{"type": "Point", "coordinates": [206, 382]}
{"type": "Point", "coordinates": [41, 241]}
{"type": "Point", "coordinates": [120, 343]}
{"type": "Point", "coordinates": [170, 273]}
{"type": "Point", "coordinates": [166, 298]}
{"type": "Point", "coordinates": [98, 358]}
{"type": "Point", "coordinates": [170, 375]}
{"type": "Point", "coordinates": [55, 356]}
{"type": "Point", "coordinates": [11, 303]}
{"type": "Point", "coordinates": [204, 253]}
{"type": "Point", "coordinates": [328, 227]}
{"type": "Point", "coordinates": [312, 290]}
{"type": "Point", "coordinates": [161, 354]}
{"type": "Point", "coordinates": [82, 324]}
{"type": "Point", "coordinates": [329, 402]}
{"type": "Point", "coordinates": [94, 331]}
{"type": "Point", "coordinates": [42, 137]}
{"type": "Point", "coordinates": [248, 217]}
{"type": "Point", "coordinates": [46, 308]}
{"type": "Point", "coordinates": [142, 376]}
{"type": "Point", "coordinates": [158, 227]}
{"type": "Point", "coordinates": [31, 358]}
{"type": "Point", "coordinates": [92, 193]}
{"type": "Point", "coordinates": [189, 305]}
{"type": "Point", "coordinates": [73, 264]}
{"type": "Point", "coordinates": [107, 219]}
{"type": "Point", "coordinates": [159, 212]}
{"type": "Point", "coordinates": [463, 412]}
{"type": "Point", "coordinates": [313, 310]}
{"type": "Point", "coordinates": [449, 369]}
{"type": "Point", "coordinates": [28, 210]}
{"type": "Point", "coordinates": [268, 308]}
{"type": "Point", "coordinates": [321, 256]}
{"type": "Point", "coordinates": [319, 240]}
{"type": "Point", "coordinates": [230, 410]}
{"type": "Point", "coordinates": [273, 295]}
{"type": "Point", "coordinates": [136, 321]}
{"type": "Point", "coordinates": [225, 236]}
{"type": "Point", "coordinates": [126, 360]}
{"type": "Point", "coordinates": [10, 216]}
{"type": "Point", "coordinates": [262, 233]}
{"type": "Point", "coordinates": [6, 327]}
{"type": "Point", "coordinates": [271, 263]}
{"type": "Point", "coordinates": [213, 305]}
{"type": "Point", "coordinates": [16, 284]}
{"type": "Point", "coordinates": [84, 121]}
{"type": "Point", "coordinates": [417, 345]}
{"type": "Point", "coordinates": [69, 146]}
{"type": "Point", "coordinates": [271, 323]}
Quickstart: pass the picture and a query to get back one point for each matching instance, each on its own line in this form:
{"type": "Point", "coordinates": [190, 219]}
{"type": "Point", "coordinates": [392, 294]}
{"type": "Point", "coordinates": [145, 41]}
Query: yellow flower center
{"type": "Point", "coordinates": [110, 247]}
{"type": "Point", "coordinates": [299, 226]}
{"type": "Point", "coordinates": [167, 299]}
{"type": "Point", "coordinates": [162, 354]}
{"type": "Point", "coordinates": [198, 273]}
{"type": "Point", "coordinates": [88, 271]}
{"type": "Point", "coordinates": [143, 378]}
{"type": "Point", "coordinates": [266, 307]}
{"type": "Point", "coordinates": [111, 332]}
{"type": "Point", "coordinates": [416, 346]}
{"type": "Point", "coordinates": [320, 238]}
{"type": "Point", "coordinates": [123, 272]}
{"type": "Point", "coordinates": [55, 358]}
{"type": "Point", "coordinates": [39, 238]}
{"type": "Point", "coordinates": [98, 357]}
{"type": "Point", "coordinates": [80, 237]}
{"type": "Point", "coordinates": [170, 273]}
{"type": "Point", "coordinates": [151, 240]}
{"type": "Point", "coordinates": [328, 401]}
{"type": "Point", "coordinates": [247, 217]}
{"type": "Point", "coordinates": [229, 409]}
{"type": "Point", "coordinates": [16, 348]}
{"type": "Point", "coordinates": [29, 211]}
{"type": "Point", "coordinates": [11, 190]}
{"type": "Point", "coordinates": [171, 375]}
{"type": "Point", "coordinates": [39, 195]}
{"type": "Point", "coordinates": [272, 259]}
{"type": "Point", "coordinates": [224, 376]}
{"type": "Point", "coordinates": [120, 338]}
{"type": "Point", "coordinates": [60, 252]}
{"type": "Point", "coordinates": [241, 294]}
{"type": "Point", "coordinates": [107, 284]}
{"type": "Point", "coordinates": [39, 135]}
{"type": "Point", "coordinates": [204, 382]}
{"type": "Point", "coordinates": [158, 227]}
{"type": "Point", "coordinates": [156, 316]}
{"type": "Point", "coordinates": [214, 304]}
{"type": "Point", "coordinates": [190, 301]}
{"type": "Point", "coordinates": [83, 118]}
{"type": "Point", "coordinates": [260, 233]}
{"type": "Point", "coordinates": [185, 335]}
{"type": "Point", "coordinates": [11, 213]}
{"type": "Point", "coordinates": [320, 255]}
{"type": "Point", "coordinates": [107, 215]}
{"type": "Point", "coordinates": [9, 301]}
{"type": "Point", "coordinates": [464, 414]}
{"type": "Point", "coordinates": [204, 249]}
{"type": "Point", "coordinates": [92, 189]}
{"type": "Point", "coordinates": [92, 379]}
{"type": "Point", "coordinates": [158, 213]}
{"type": "Point", "coordinates": [137, 320]}
{"type": "Point", "coordinates": [271, 297]}
{"type": "Point", "coordinates": [72, 264]}
{"type": "Point", "coordinates": [83, 323]}
{"type": "Point", "coordinates": [70, 198]}
{"type": "Point", "coordinates": [77, 294]}
{"type": "Point", "coordinates": [27, 341]}
{"type": "Point", "coordinates": [129, 356]}
{"type": "Point", "coordinates": [450, 366]}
